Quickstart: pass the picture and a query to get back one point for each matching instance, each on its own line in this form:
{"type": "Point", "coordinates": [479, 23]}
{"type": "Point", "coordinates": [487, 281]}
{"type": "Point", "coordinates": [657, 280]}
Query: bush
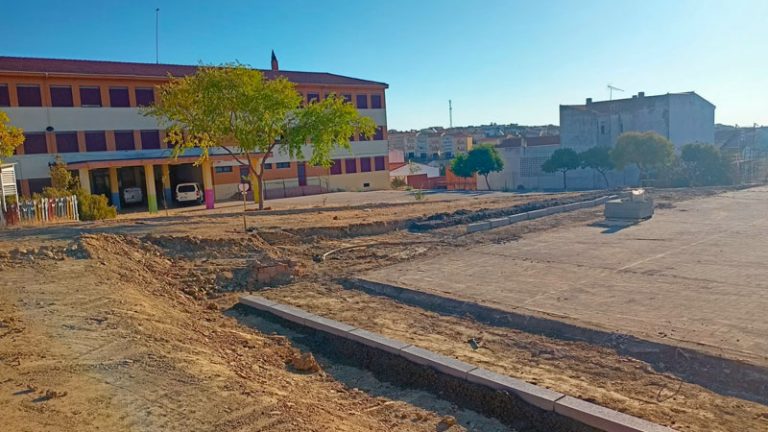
{"type": "Point", "coordinates": [94, 207]}
{"type": "Point", "coordinates": [398, 183]}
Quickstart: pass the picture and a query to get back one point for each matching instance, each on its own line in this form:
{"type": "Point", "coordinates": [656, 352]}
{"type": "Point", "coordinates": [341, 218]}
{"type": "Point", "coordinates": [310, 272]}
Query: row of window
{"type": "Point", "coordinates": [350, 165]}
{"type": "Point", "coordinates": [361, 100]}
{"type": "Point", "coordinates": [30, 95]}
{"type": "Point", "coordinates": [66, 142]}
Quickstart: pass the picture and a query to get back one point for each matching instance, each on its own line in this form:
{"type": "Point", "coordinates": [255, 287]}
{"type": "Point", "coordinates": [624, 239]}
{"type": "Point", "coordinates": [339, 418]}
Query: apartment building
{"type": "Point", "coordinates": [89, 114]}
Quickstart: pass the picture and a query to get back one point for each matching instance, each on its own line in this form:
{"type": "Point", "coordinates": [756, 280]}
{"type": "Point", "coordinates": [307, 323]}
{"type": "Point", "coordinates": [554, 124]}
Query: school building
{"type": "Point", "coordinates": [89, 114]}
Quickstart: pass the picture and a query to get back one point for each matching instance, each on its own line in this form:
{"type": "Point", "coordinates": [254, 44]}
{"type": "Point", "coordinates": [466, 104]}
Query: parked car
{"type": "Point", "coordinates": [188, 193]}
{"type": "Point", "coordinates": [133, 195]}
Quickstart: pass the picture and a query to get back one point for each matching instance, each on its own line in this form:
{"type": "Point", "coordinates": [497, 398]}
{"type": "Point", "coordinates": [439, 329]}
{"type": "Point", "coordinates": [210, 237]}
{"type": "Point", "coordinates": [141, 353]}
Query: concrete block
{"type": "Point", "coordinates": [603, 418]}
{"type": "Point", "coordinates": [537, 213]}
{"type": "Point", "coordinates": [446, 365]}
{"type": "Point", "coordinates": [328, 325]}
{"type": "Point", "coordinates": [478, 226]}
{"type": "Point", "coordinates": [290, 313]}
{"type": "Point", "coordinates": [498, 222]}
{"type": "Point", "coordinates": [376, 341]}
{"type": "Point", "coordinates": [257, 302]}
{"type": "Point", "coordinates": [517, 218]}
{"type": "Point", "coordinates": [635, 210]}
{"type": "Point", "coordinates": [534, 395]}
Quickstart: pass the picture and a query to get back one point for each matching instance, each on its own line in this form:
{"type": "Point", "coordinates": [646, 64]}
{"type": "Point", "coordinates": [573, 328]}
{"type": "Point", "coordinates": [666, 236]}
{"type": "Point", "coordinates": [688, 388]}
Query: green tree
{"type": "Point", "coordinates": [599, 159]}
{"type": "Point", "coordinates": [236, 109]}
{"type": "Point", "coordinates": [10, 137]}
{"type": "Point", "coordinates": [460, 166]}
{"type": "Point", "coordinates": [705, 165]}
{"type": "Point", "coordinates": [484, 159]}
{"type": "Point", "coordinates": [562, 160]}
{"type": "Point", "coordinates": [648, 150]}
{"type": "Point", "coordinates": [89, 206]}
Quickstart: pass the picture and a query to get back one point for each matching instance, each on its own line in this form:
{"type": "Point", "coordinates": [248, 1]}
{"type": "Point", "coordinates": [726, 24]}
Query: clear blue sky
{"type": "Point", "coordinates": [500, 61]}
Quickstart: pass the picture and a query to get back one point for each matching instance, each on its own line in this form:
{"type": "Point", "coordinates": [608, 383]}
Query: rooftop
{"type": "Point", "coordinates": [634, 101]}
{"type": "Point", "coordinates": [154, 70]}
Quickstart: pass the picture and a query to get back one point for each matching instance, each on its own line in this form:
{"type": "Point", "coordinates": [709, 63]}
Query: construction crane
{"type": "Point", "coordinates": [610, 91]}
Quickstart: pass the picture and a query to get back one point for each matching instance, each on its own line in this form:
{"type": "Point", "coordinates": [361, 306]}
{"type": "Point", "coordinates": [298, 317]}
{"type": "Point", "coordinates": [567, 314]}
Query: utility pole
{"type": "Point", "coordinates": [450, 114]}
{"type": "Point", "coordinates": [157, 35]}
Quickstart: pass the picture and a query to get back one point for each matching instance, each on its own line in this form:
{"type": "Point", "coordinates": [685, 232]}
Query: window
{"type": "Point", "coordinates": [61, 96]}
{"type": "Point", "coordinates": [223, 169]}
{"type": "Point", "coordinates": [145, 96]}
{"type": "Point", "coordinates": [66, 142]}
{"type": "Point", "coordinates": [186, 188]}
{"type": "Point", "coordinates": [37, 185]}
{"type": "Point", "coordinates": [313, 97]}
{"type": "Point", "coordinates": [380, 163]}
{"type": "Point", "coordinates": [124, 140]}
{"type": "Point", "coordinates": [118, 97]}
{"type": "Point", "coordinates": [602, 129]}
{"type": "Point", "coordinates": [350, 166]}
{"type": "Point", "coordinates": [95, 141]}
{"type": "Point", "coordinates": [90, 97]}
{"type": "Point", "coordinates": [150, 139]}
{"type": "Point", "coordinates": [379, 134]}
{"type": "Point", "coordinates": [375, 101]}
{"type": "Point", "coordinates": [283, 165]}
{"type": "Point", "coordinates": [5, 97]}
{"type": "Point", "coordinates": [29, 95]}
{"type": "Point", "coordinates": [336, 167]}
{"type": "Point", "coordinates": [268, 165]}
{"type": "Point", "coordinates": [347, 98]}
{"type": "Point", "coordinates": [34, 143]}
{"type": "Point", "coordinates": [365, 164]}
{"type": "Point", "coordinates": [362, 101]}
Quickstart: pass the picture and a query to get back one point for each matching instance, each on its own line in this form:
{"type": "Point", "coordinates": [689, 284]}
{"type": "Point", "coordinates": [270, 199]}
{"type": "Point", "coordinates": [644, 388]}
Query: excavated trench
{"type": "Point", "coordinates": [378, 373]}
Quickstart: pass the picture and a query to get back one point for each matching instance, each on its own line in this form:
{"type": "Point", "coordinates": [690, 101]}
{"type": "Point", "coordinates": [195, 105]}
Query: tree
{"type": "Point", "coordinates": [234, 108]}
{"type": "Point", "coordinates": [10, 137]}
{"type": "Point", "coordinates": [647, 150]}
{"type": "Point", "coordinates": [460, 166]}
{"type": "Point", "coordinates": [89, 206]}
{"type": "Point", "coordinates": [704, 164]}
{"type": "Point", "coordinates": [599, 159]}
{"type": "Point", "coordinates": [562, 160]}
{"type": "Point", "coordinates": [484, 159]}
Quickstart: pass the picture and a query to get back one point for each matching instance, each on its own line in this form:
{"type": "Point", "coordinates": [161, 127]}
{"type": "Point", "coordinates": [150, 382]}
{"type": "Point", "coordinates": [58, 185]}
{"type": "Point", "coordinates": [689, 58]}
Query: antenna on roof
{"type": "Point", "coordinates": [610, 91]}
{"type": "Point", "coordinates": [450, 114]}
{"type": "Point", "coordinates": [157, 35]}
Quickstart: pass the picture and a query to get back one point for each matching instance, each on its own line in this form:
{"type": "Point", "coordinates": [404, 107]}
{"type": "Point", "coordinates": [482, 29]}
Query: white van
{"type": "Point", "coordinates": [188, 193]}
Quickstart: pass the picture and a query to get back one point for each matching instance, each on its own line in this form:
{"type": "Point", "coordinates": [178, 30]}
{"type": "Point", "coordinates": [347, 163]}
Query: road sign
{"type": "Point", "coordinates": [243, 187]}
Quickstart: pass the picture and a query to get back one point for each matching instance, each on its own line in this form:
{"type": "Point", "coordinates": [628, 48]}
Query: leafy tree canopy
{"type": "Point", "coordinates": [485, 159]}
{"type": "Point", "coordinates": [705, 165]}
{"type": "Point", "coordinates": [237, 109]}
{"type": "Point", "coordinates": [562, 160]}
{"type": "Point", "coordinates": [10, 137]}
{"type": "Point", "coordinates": [647, 150]}
{"type": "Point", "coordinates": [599, 159]}
{"type": "Point", "coordinates": [460, 166]}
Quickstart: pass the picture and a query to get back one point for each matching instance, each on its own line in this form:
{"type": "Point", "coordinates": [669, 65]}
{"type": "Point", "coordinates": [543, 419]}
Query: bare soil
{"type": "Point", "coordinates": [120, 326]}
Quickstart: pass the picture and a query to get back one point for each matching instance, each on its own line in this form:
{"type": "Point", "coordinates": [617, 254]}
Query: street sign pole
{"type": "Point", "coordinates": [243, 188]}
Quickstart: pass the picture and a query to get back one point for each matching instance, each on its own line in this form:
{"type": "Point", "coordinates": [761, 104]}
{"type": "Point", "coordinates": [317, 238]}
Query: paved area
{"type": "Point", "coordinates": [694, 275]}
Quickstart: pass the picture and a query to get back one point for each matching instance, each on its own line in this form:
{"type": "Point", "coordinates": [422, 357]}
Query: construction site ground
{"type": "Point", "coordinates": [123, 325]}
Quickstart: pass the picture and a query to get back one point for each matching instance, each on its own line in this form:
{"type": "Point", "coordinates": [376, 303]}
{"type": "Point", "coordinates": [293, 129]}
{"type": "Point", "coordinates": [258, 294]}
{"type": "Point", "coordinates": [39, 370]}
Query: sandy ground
{"type": "Point", "coordinates": [120, 326]}
{"type": "Point", "coordinates": [693, 275]}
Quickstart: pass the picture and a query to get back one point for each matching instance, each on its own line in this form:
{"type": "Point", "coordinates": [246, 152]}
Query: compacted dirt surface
{"type": "Point", "coordinates": [123, 325]}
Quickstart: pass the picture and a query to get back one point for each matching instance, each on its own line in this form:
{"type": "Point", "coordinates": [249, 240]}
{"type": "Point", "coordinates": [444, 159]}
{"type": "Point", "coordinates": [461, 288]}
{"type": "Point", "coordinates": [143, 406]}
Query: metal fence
{"type": "Point", "coordinates": [41, 210]}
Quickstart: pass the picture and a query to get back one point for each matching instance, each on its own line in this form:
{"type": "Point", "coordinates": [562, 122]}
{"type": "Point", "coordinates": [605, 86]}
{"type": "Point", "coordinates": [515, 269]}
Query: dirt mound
{"type": "Point", "coordinates": [194, 247]}
{"type": "Point", "coordinates": [305, 362]}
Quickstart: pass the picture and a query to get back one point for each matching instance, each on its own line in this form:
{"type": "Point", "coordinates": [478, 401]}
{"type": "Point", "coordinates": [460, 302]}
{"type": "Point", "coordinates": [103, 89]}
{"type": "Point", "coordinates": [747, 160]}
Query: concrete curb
{"type": "Point", "coordinates": [535, 214]}
{"type": "Point", "coordinates": [584, 412]}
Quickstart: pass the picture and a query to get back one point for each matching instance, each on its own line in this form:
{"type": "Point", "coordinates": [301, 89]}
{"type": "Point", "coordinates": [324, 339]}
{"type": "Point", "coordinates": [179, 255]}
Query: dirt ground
{"type": "Point", "coordinates": [120, 326]}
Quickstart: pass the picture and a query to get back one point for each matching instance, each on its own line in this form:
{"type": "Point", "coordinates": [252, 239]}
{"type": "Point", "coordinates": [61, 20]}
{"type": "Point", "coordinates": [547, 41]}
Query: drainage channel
{"type": "Point", "coordinates": [381, 374]}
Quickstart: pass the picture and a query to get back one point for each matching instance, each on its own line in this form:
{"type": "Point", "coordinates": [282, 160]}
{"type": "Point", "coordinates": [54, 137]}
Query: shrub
{"type": "Point", "coordinates": [94, 207]}
{"type": "Point", "coordinates": [398, 183]}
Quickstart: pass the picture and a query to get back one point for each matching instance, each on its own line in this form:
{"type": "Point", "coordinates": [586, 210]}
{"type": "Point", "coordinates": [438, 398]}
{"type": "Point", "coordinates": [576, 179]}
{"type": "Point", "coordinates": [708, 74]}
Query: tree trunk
{"type": "Point", "coordinates": [605, 178]}
{"type": "Point", "coordinates": [487, 183]}
{"type": "Point", "coordinates": [565, 182]}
